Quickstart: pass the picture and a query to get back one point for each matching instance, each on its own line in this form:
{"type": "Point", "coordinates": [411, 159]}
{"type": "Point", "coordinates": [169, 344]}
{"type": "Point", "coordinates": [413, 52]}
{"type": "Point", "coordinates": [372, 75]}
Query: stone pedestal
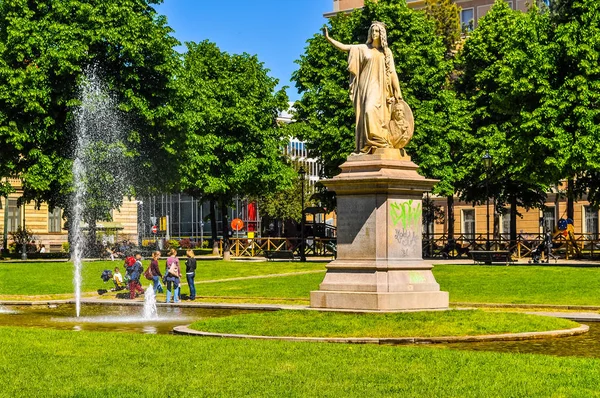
{"type": "Point", "coordinates": [379, 263]}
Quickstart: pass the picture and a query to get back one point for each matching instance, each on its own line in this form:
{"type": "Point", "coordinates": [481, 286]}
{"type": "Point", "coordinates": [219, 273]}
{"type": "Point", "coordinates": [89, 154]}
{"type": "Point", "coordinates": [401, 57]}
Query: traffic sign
{"type": "Point", "coordinates": [237, 224]}
{"type": "Point", "coordinates": [154, 229]}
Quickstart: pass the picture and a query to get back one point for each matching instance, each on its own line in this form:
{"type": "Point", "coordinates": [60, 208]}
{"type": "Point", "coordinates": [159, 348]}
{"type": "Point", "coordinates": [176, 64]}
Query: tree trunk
{"type": "Point", "coordinates": [570, 199]}
{"type": "Point", "coordinates": [226, 253]}
{"type": "Point", "coordinates": [91, 246]}
{"type": "Point", "coordinates": [513, 222]}
{"type": "Point", "coordinates": [496, 224]}
{"type": "Point", "coordinates": [450, 217]}
{"type": "Point", "coordinates": [213, 228]}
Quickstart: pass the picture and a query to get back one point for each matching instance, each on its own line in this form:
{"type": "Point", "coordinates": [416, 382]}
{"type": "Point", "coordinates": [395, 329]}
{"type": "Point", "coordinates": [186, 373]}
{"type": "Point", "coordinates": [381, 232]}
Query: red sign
{"type": "Point", "coordinates": [154, 229]}
{"type": "Point", "coordinates": [237, 224]}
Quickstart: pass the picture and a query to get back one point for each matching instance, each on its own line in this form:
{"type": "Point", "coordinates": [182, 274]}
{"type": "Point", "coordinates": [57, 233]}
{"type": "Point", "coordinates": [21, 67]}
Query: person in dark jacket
{"type": "Point", "coordinates": [136, 272]}
{"type": "Point", "coordinates": [190, 272]}
{"type": "Point", "coordinates": [156, 275]}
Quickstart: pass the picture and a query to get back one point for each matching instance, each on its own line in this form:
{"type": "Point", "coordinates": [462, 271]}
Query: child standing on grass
{"type": "Point", "coordinates": [172, 276]}
{"type": "Point", "coordinates": [190, 272]}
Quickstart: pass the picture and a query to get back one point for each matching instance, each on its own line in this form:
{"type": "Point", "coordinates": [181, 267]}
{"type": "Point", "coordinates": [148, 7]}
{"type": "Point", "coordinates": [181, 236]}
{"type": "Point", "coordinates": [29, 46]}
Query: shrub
{"type": "Point", "coordinates": [172, 244]}
{"type": "Point", "coordinates": [187, 243]}
{"type": "Point", "coordinates": [66, 247]}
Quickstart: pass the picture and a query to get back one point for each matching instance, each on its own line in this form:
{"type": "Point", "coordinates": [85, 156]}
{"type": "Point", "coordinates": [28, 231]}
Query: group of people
{"type": "Point", "coordinates": [117, 250]}
{"type": "Point", "coordinates": [171, 278]}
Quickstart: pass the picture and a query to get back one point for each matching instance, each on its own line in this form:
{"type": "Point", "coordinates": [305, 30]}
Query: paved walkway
{"type": "Point", "coordinates": [574, 316]}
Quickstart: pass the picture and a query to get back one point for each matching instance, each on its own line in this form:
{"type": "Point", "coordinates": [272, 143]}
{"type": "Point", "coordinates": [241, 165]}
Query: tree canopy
{"type": "Point", "coordinates": [44, 48]}
{"type": "Point", "coordinates": [230, 143]}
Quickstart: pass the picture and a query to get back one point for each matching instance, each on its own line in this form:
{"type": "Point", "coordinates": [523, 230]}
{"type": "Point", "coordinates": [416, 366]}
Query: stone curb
{"type": "Point", "coordinates": [185, 330]}
{"type": "Point", "coordinates": [510, 305]}
{"type": "Point", "coordinates": [273, 307]}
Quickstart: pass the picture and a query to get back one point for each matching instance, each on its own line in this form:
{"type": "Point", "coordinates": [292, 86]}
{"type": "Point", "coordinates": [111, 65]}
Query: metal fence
{"type": "Point", "coordinates": [585, 246]}
{"type": "Point", "coordinates": [564, 246]}
{"type": "Point", "coordinates": [317, 247]}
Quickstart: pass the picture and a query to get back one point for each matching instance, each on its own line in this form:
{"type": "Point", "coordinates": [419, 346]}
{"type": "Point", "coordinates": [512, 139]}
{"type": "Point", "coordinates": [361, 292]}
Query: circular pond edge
{"type": "Point", "coordinates": [581, 329]}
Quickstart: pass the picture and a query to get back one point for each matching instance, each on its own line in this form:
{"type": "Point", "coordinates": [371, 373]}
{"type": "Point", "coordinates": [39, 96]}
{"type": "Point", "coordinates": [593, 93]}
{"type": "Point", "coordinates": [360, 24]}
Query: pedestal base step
{"type": "Point", "coordinates": [379, 301]}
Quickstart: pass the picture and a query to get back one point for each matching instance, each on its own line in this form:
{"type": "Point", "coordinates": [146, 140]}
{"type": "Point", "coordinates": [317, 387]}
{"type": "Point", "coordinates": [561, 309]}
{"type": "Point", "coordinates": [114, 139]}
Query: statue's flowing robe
{"type": "Point", "coordinates": [369, 91]}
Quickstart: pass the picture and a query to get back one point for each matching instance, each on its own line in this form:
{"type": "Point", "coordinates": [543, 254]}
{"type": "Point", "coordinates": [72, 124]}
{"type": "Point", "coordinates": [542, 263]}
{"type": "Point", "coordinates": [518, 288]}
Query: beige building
{"type": "Point", "coordinates": [48, 227]}
{"type": "Point", "coordinates": [471, 10]}
{"type": "Point", "coordinates": [470, 221]}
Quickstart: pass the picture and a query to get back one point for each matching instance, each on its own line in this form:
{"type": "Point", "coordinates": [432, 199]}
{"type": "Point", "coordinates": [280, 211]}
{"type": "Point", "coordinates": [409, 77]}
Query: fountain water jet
{"type": "Point", "coordinates": [150, 304]}
{"type": "Point", "coordinates": [98, 178]}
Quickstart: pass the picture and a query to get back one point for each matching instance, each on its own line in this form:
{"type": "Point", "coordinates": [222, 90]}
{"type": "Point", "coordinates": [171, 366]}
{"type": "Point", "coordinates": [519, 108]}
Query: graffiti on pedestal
{"type": "Point", "coordinates": [405, 237]}
{"type": "Point", "coordinates": [406, 214]}
{"type": "Point", "coordinates": [405, 219]}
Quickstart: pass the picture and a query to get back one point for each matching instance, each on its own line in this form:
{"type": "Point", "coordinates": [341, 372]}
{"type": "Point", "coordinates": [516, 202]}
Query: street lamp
{"type": "Point", "coordinates": [487, 163]}
{"type": "Point", "coordinates": [302, 174]}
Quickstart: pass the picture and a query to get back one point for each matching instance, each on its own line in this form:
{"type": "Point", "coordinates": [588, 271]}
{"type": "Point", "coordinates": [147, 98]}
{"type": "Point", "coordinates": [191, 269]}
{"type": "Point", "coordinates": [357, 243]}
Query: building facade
{"type": "Point", "coordinates": [48, 226]}
{"type": "Point", "coordinates": [470, 13]}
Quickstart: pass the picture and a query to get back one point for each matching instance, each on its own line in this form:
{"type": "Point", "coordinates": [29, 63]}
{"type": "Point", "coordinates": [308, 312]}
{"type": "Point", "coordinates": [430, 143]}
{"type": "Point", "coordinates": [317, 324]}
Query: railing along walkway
{"type": "Point", "coordinates": [566, 246]}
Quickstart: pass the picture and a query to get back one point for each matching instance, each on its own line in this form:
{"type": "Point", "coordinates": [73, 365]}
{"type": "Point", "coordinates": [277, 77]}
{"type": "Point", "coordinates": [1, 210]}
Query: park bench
{"type": "Point", "coordinates": [55, 247]}
{"type": "Point", "coordinates": [489, 257]}
{"type": "Point", "coordinates": [279, 255]}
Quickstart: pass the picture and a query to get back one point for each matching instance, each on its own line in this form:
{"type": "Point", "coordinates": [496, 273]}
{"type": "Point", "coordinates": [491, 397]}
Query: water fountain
{"type": "Point", "coordinates": [98, 173]}
{"type": "Point", "coordinates": [150, 304]}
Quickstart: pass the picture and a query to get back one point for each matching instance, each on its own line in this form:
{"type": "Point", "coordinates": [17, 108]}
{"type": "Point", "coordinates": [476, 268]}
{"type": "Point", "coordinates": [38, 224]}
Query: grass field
{"type": "Point", "coordinates": [470, 284]}
{"type": "Point", "coordinates": [422, 324]}
{"type": "Point", "coordinates": [46, 278]}
{"type": "Point", "coordinates": [44, 363]}
{"type": "Point", "coordinates": [520, 284]}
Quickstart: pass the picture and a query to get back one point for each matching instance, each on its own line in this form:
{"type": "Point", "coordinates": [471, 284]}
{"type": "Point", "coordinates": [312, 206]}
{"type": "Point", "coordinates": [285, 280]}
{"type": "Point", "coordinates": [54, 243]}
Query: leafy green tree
{"type": "Point", "coordinates": [506, 65]}
{"type": "Point", "coordinates": [446, 15]}
{"type": "Point", "coordinates": [230, 143]}
{"type": "Point", "coordinates": [571, 110]}
{"type": "Point", "coordinates": [44, 48]}
{"type": "Point", "coordinates": [324, 113]}
{"type": "Point", "coordinates": [284, 205]}
{"type": "Point", "coordinates": [440, 147]}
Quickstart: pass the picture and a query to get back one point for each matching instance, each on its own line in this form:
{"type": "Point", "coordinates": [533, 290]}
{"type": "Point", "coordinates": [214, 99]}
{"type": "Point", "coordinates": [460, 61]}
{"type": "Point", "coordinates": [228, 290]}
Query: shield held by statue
{"type": "Point", "coordinates": [401, 126]}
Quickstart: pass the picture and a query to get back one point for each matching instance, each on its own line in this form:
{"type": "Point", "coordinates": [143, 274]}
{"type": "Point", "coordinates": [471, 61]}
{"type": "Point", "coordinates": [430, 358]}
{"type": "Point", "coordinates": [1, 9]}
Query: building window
{"type": "Point", "coordinates": [468, 223]}
{"type": "Point", "coordinates": [467, 19]}
{"type": "Point", "coordinates": [549, 220]}
{"type": "Point", "coordinates": [54, 220]}
{"type": "Point", "coordinates": [14, 216]}
{"type": "Point", "coordinates": [591, 221]}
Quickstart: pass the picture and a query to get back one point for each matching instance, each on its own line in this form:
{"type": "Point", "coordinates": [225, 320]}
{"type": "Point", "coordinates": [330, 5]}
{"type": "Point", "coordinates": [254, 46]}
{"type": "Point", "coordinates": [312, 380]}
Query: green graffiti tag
{"type": "Point", "coordinates": [405, 213]}
{"type": "Point", "coordinates": [416, 277]}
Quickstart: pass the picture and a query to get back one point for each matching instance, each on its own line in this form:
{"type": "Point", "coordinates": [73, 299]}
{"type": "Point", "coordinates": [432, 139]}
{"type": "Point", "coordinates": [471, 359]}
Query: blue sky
{"type": "Point", "coordinates": [275, 30]}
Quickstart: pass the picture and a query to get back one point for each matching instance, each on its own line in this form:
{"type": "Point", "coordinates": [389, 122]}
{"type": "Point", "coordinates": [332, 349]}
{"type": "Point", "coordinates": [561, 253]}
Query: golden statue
{"type": "Point", "coordinates": [375, 93]}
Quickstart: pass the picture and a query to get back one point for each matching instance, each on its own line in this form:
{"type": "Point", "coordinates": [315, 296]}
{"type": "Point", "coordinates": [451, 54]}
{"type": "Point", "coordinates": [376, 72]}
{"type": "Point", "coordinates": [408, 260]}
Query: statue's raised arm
{"type": "Point", "coordinates": [375, 93]}
{"type": "Point", "coordinates": [336, 44]}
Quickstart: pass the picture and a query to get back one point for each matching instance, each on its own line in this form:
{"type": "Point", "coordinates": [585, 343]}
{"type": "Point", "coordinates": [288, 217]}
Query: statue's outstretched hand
{"type": "Point", "coordinates": [325, 32]}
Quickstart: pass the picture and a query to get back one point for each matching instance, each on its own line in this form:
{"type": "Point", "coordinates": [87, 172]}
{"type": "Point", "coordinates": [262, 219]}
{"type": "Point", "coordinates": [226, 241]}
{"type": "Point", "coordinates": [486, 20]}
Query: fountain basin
{"type": "Point", "coordinates": [127, 318]}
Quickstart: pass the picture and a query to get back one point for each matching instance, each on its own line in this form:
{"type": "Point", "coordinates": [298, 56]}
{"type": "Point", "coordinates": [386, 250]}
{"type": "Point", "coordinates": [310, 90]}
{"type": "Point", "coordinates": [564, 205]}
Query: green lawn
{"type": "Point", "coordinates": [471, 284]}
{"type": "Point", "coordinates": [413, 324]}
{"type": "Point", "coordinates": [45, 278]}
{"type": "Point", "coordinates": [520, 284]}
{"type": "Point", "coordinates": [36, 363]}
{"type": "Point", "coordinates": [295, 286]}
